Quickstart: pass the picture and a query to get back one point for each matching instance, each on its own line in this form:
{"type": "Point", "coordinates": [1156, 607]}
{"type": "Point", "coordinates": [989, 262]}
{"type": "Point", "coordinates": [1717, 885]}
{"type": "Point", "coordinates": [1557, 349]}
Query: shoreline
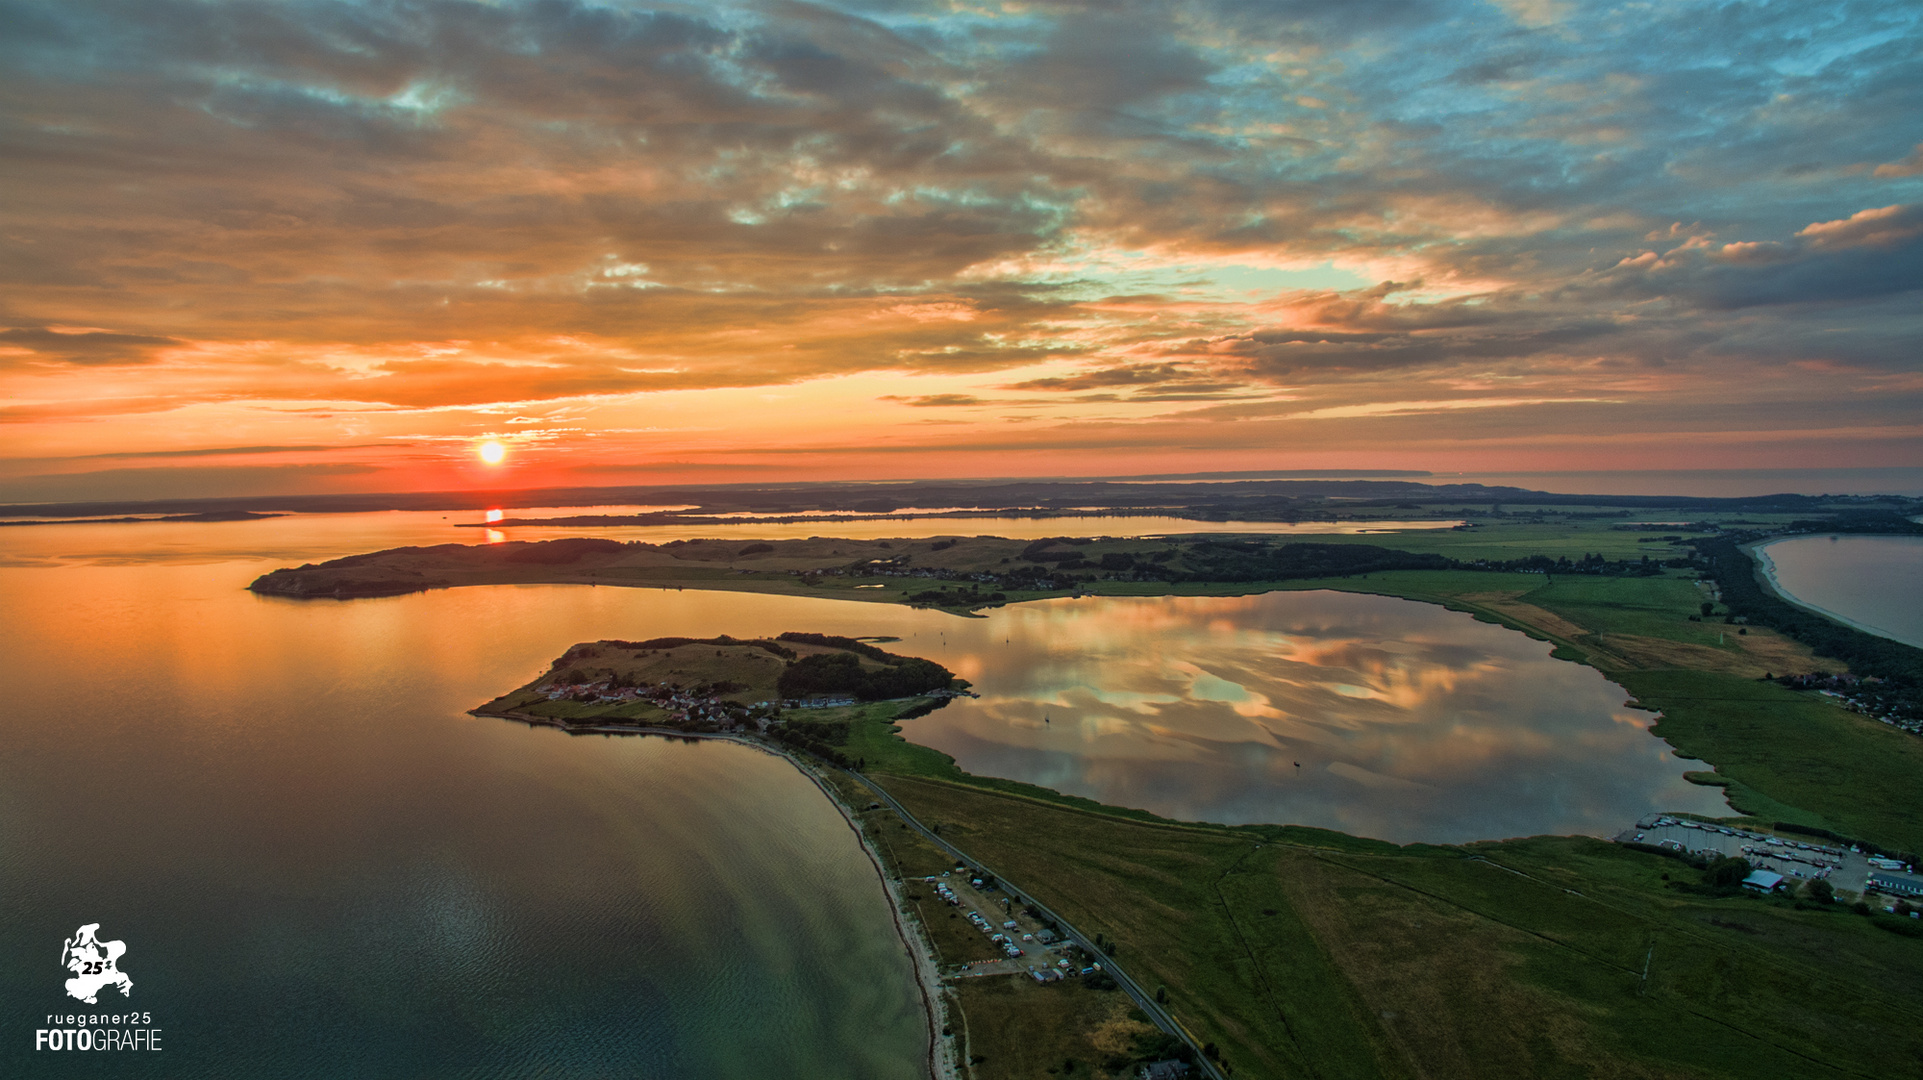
{"type": "Point", "coordinates": [1765, 570]}
{"type": "Point", "coordinates": [921, 954]}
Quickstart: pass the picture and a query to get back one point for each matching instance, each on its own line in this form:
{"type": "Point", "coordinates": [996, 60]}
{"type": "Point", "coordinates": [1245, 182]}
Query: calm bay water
{"type": "Point", "coordinates": [321, 867]}
{"type": "Point", "coordinates": [1875, 582]}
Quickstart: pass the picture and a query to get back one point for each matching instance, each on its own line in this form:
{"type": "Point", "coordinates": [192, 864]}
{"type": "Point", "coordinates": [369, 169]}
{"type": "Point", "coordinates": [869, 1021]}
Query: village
{"type": "Point", "coordinates": [1861, 694]}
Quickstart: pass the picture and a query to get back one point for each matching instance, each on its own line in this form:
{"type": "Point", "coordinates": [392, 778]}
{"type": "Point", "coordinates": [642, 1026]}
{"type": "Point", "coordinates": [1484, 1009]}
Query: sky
{"type": "Point", "coordinates": [257, 247]}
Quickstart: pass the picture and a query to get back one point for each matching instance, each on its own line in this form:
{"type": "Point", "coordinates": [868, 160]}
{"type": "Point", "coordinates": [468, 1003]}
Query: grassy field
{"type": "Point", "coordinates": [1515, 959]}
{"type": "Point", "coordinates": [1852, 775]}
{"type": "Point", "coordinates": [1009, 1027]}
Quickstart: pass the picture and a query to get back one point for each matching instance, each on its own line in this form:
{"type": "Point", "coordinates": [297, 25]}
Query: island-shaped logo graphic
{"type": "Point", "coordinates": [95, 964]}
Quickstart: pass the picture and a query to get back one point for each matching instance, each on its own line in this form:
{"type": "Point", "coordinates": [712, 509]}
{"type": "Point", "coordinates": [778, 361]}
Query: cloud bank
{"type": "Point", "coordinates": [1220, 232]}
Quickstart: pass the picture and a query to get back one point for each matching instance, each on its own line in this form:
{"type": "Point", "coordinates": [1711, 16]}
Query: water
{"type": "Point", "coordinates": [321, 867]}
{"type": "Point", "coordinates": [1367, 714]}
{"type": "Point", "coordinates": [1872, 582]}
{"type": "Point", "coordinates": [301, 538]}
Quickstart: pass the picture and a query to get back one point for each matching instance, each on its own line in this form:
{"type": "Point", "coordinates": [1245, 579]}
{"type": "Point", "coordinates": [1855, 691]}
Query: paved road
{"type": "Point", "coordinates": [1067, 929]}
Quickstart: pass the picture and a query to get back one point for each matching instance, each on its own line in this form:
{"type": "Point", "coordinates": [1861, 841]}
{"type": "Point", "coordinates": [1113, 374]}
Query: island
{"type": "Point", "coordinates": [1279, 950]}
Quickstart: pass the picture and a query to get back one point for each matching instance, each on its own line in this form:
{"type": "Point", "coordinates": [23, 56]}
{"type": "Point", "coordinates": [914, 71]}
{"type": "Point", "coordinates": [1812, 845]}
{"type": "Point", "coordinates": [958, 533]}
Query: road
{"type": "Point", "coordinates": [1133, 989]}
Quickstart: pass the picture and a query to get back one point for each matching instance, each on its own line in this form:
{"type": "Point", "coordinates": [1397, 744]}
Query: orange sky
{"type": "Point", "coordinates": [257, 248]}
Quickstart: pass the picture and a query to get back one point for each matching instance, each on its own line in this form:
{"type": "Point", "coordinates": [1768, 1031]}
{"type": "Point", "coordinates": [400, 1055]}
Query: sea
{"type": "Point", "coordinates": [1874, 583]}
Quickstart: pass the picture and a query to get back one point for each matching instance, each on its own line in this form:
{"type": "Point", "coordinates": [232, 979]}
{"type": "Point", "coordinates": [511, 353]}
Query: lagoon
{"type": "Point", "coordinates": [1370, 715]}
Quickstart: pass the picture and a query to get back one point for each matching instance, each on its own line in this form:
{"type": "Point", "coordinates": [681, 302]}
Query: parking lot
{"type": "Point", "coordinates": [1798, 858]}
{"type": "Point", "coordinates": [1028, 947]}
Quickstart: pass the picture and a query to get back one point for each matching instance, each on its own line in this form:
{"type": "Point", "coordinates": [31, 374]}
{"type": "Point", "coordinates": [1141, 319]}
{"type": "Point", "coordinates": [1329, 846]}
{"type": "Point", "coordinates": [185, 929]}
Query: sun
{"type": "Point", "coordinates": [491, 452]}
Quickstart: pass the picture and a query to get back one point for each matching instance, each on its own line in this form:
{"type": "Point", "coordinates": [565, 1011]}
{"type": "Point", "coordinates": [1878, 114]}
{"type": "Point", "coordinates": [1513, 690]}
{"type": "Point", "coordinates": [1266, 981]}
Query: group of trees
{"type": "Point", "coordinates": [1590, 563]}
{"type": "Point", "coordinates": [662, 644]}
{"type": "Point", "coordinates": [842, 674]}
{"type": "Point", "coordinates": [1222, 560]}
{"type": "Point", "coordinates": [560, 552]}
{"type": "Point", "coordinates": [824, 739]}
{"type": "Point", "coordinates": [839, 674]}
{"type": "Point", "coordinates": [968, 596]}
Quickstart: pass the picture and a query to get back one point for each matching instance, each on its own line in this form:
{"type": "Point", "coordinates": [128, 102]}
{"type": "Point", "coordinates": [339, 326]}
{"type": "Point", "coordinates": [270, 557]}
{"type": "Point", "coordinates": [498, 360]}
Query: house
{"type": "Point", "coordinates": [1165, 1070]}
{"type": "Point", "coordinates": [1897, 884]}
{"type": "Point", "coordinates": [1762, 880]}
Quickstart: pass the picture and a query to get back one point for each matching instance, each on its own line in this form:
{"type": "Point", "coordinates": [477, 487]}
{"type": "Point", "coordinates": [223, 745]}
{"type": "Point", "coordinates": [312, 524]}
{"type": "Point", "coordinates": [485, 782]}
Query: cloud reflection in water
{"type": "Point", "coordinates": [1409, 722]}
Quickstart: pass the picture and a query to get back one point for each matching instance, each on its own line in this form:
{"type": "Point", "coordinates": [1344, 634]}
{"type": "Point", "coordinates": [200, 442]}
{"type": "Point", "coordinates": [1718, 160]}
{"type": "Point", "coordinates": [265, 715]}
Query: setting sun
{"type": "Point", "coordinates": [492, 452]}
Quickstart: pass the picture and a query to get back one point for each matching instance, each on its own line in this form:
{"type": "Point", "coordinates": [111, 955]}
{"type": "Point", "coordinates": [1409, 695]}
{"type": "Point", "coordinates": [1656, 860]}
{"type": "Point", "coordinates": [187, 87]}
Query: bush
{"type": "Point", "coordinates": [1726, 873]}
{"type": "Point", "coordinates": [1905, 926]}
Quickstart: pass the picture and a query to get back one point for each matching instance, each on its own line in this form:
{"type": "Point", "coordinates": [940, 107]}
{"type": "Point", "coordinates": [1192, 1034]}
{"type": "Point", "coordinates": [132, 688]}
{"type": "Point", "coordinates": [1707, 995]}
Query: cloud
{"type": "Point", "coordinates": [239, 451]}
{"type": "Point", "coordinates": [1535, 13]}
{"type": "Point", "coordinates": [1909, 166]}
{"type": "Point", "coordinates": [1098, 378]}
{"type": "Point", "coordinates": [346, 211]}
{"type": "Point", "coordinates": [1408, 408]}
{"type": "Point", "coordinates": [1881, 228]}
{"type": "Point", "coordinates": [86, 347]}
{"type": "Point", "coordinates": [1756, 252]}
{"type": "Point", "coordinates": [1869, 254]}
{"type": "Point", "coordinates": [937, 401]}
{"type": "Point", "coordinates": [181, 482]}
